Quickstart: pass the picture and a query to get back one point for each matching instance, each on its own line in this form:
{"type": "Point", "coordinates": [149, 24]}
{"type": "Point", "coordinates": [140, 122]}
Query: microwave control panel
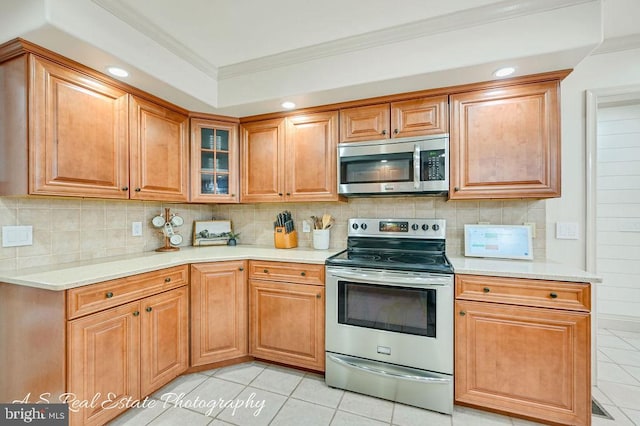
{"type": "Point", "coordinates": [433, 164]}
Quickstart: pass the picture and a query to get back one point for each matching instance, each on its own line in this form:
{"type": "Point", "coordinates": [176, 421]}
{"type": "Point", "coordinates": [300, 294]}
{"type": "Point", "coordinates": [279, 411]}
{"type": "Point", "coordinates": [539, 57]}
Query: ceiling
{"type": "Point", "coordinates": [242, 57]}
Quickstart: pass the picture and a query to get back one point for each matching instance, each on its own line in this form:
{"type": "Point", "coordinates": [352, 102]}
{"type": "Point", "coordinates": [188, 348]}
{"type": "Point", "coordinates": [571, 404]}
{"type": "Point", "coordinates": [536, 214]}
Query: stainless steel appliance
{"type": "Point", "coordinates": [389, 313]}
{"type": "Point", "coordinates": [398, 166]}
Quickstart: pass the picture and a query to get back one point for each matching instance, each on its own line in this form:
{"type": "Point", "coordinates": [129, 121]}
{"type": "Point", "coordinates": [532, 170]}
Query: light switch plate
{"type": "Point", "coordinates": [16, 236]}
{"type": "Point", "coordinates": [567, 231]}
{"type": "Point", "coordinates": [136, 229]}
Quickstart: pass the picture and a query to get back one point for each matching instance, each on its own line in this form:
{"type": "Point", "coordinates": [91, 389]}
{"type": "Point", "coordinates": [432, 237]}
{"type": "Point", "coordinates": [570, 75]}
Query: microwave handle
{"type": "Point", "coordinates": [416, 166]}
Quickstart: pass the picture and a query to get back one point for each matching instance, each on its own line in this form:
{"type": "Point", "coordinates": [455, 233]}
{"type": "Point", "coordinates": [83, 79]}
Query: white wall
{"type": "Point", "coordinates": [595, 72]}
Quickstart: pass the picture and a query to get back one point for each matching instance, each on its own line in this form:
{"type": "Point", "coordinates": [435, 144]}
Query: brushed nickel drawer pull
{"type": "Point", "coordinates": [109, 295]}
{"type": "Point", "coordinates": [167, 280]}
{"type": "Point", "coordinates": [304, 274]}
{"type": "Point", "coordinates": [266, 271]}
{"type": "Point", "coordinates": [486, 289]}
{"type": "Point", "coordinates": [553, 295]}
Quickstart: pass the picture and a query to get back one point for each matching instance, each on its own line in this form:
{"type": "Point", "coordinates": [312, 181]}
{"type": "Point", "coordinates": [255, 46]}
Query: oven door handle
{"type": "Point", "coordinates": [389, 374]}
{"type": "Point", "coordinates": [397, 279]}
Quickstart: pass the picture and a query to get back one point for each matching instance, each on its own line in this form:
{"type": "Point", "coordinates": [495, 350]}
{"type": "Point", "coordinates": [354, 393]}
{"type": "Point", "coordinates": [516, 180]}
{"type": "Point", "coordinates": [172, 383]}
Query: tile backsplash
{"type": "Point", "coordinates": [69, 229]}
{"type": "Point", "coordinates": [254, 222]}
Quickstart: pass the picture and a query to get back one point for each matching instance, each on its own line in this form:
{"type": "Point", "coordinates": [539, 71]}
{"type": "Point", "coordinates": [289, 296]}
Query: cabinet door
{"type": "Point", "coordinates": [426, 116]}
{"type": "Point", "coordinates": [218, 312]}
{"type": "Point", "coordinates": [214, 161]}
{"type": "Point", "coordinates": [310, 157]}
{"type": "Point", "coordinates": [78, 134]}
{"type": "Point", "coordinates": [364, 123]}
{"type": "Point", "coordinates": [103, 354]}
{"type": "Point", "coordinates": [164, 338]}
{"type": "Point", "coordinates": [159, 152]}
{"type": "Point", "coordinates": [262, 158]}
{"type": "Point", "coordinates": [527, 361]}
{"type": "Point", "coordinates": [287, 323]}
{"type": "Point", "coordinates": [505, 143]}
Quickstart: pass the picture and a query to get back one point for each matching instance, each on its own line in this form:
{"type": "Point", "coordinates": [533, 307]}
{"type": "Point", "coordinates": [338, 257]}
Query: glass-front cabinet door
{"type": "Point", "coordinates": [214, 161]}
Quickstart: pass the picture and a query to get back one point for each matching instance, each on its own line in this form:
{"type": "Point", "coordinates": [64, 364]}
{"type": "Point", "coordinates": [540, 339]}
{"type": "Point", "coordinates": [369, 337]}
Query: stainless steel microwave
{"type": "Point", "coordinates": [417, 165]}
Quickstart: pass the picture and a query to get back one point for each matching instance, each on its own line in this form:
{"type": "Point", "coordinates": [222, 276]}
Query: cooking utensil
{"type": "Point", "coordinates": [325, 220]}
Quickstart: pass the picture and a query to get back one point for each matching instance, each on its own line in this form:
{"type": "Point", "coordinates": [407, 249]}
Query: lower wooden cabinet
{"type": "Point", "coordinates": [286, 319]}
{"type": "Point", "coordinates": [218, 312]}
{"type": "Point", "coordinates": [103, 357]}
{"type": "Point", "coordinates": [525, 360]}
{"type": "Point", "coordinates": [125, 352]}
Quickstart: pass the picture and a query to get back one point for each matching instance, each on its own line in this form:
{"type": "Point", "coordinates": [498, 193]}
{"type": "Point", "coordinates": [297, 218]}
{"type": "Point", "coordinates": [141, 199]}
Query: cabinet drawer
{"type": "Point", "coordinates": [302, 273]}
{"type": "Point", "coordinates": [526, 292]}
{"type": "Point", "coordinates": [96, 297]}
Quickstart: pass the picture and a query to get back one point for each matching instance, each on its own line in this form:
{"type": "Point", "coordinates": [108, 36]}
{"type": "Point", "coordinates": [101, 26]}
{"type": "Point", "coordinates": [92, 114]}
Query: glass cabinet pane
{"type": "Point", "coordinates": [207, 138]}
{"type": "Point", "coordinates": [207, 184]}
{"type": "Point", "coordinates": [222, 140]}
{"type": "Point", "coordinates": [222, 184]}
{"type": "Point", "coordinates": [207, 161]}
{"type": "Point", "coordinates": [222, 161]}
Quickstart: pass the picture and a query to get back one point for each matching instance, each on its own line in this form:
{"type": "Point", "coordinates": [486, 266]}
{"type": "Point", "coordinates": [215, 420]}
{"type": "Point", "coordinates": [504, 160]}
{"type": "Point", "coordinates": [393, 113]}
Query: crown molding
{"type": "Point", "coordinates": [477, 16]}
{"type": "Point", "coordinates": [507, 9]}
{"type": "Point", "coordinates": [618, 44]}
{"type": "Point", "coordinates": [140, 23]}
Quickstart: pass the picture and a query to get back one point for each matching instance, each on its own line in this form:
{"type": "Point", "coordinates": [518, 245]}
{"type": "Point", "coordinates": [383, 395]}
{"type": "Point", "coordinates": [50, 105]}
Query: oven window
{"type": "Point", "coordinates": [377, 168]}
{"type": "Point", "coordinates": [401, 309]}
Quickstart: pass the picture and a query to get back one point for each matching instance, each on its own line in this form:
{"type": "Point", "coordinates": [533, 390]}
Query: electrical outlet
{"type": "Point", "coordinates": [306, 226]}
{"type": "Point", "coordinates": [531, 225]}
{"type": "Point", "coordinates": [136, 229]}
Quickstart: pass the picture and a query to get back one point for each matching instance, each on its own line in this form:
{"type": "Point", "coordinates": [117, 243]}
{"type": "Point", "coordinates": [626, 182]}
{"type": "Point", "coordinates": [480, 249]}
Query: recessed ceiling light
{"type": "Point", "coordinates": [288, 105]}
{"type": "Point", "coordinates": [503, 72]}
{"type": "Point", "coordinates": [118, 72]}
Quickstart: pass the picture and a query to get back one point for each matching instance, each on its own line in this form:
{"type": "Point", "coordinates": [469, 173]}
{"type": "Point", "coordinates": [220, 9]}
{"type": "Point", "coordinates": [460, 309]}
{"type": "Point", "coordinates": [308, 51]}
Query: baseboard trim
{"type": "Point", "coordinates": [619, 322]}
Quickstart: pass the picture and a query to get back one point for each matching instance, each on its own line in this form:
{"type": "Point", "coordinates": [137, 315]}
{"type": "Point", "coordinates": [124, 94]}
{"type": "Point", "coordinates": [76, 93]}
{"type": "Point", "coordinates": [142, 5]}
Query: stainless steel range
{"type": "Point", "coordinates": [389, 316]}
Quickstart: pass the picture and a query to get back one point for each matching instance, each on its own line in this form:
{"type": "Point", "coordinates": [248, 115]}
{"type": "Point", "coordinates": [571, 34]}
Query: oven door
{"type": "Point", "coordinates": [403, 318]}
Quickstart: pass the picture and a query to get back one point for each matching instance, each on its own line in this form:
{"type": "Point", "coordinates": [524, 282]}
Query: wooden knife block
{"type": "Point", "coordinates": [284, 240]}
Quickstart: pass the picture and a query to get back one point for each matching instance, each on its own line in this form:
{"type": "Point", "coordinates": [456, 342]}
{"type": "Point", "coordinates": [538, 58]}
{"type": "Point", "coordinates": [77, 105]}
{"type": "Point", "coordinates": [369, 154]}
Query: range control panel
{"type": "Point", "coordinates": [403, 228]}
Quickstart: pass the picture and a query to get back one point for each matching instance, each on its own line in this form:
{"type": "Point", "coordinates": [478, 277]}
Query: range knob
{"type": "Point", "coordinates": [415, 226]}
{"type": "Point", "coordinates": [355, 226]}
{"type": "Point", "coordinates": [425, 227]}
{"type": "Point", "coordinates": [363, 226]}
{"type": "Point", "coordinates": [435, 226]}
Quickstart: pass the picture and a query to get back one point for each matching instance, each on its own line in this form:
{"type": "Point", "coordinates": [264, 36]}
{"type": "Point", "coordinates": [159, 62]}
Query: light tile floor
{"type": "Point", "coordinates": [294, 398]}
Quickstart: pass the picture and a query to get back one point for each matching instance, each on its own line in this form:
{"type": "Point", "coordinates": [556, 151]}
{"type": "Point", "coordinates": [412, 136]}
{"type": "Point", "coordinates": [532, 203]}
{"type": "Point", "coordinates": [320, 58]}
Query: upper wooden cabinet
{"type": "Point", "coordinates": [159, 144]}
{"type": "Point", "coordinates": [70, 140]}
{"type": "Point", "coordinates": [505, 142]}
{"type": "Point", "coordinates": [415, 117]}
{"type": "Point", "coordinates": [291, 159]}
{"type": "Point", "coordinates": [68, 130]}
{"type": "Point", "coordinates": [214, 161]}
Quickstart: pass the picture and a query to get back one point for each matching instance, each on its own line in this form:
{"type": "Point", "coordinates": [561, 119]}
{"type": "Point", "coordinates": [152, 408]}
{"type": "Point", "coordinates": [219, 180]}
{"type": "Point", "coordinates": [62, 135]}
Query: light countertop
{"type": "Point", "coordinates": [76, 274]}
{"type": "Point", "coordinates": [541, 270]}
